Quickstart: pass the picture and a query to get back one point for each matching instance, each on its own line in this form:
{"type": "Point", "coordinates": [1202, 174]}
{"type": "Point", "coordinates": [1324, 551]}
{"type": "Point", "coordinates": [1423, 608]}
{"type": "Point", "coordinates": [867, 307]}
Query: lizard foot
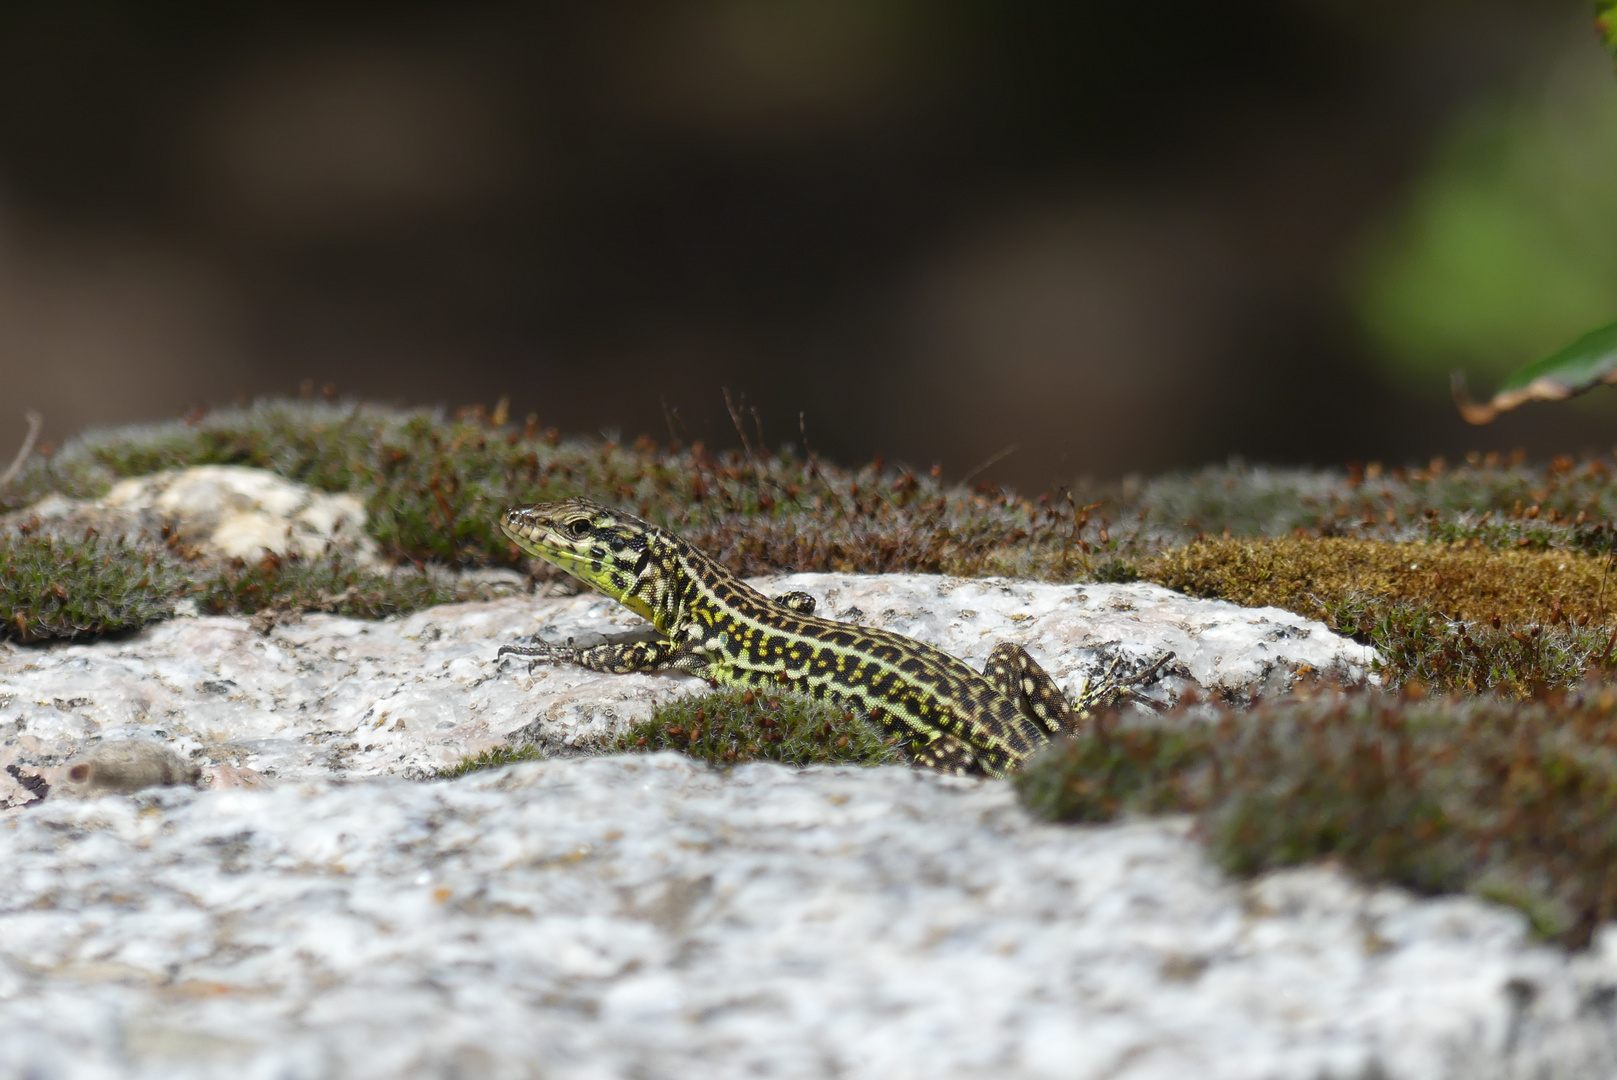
{"type": "Point", "coordinates": [1108, 690]}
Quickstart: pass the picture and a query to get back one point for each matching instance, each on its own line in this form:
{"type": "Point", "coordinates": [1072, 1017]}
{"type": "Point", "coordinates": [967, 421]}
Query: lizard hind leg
{"type": "Point", "coordinates": [1016, 674]}
{"type": "Point", "coordinates": [947, 754]}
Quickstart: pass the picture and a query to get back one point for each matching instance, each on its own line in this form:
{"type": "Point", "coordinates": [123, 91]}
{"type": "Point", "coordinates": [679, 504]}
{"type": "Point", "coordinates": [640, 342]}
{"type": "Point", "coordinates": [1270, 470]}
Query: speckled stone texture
{"type": "Point", "coordinates": [644, 917]}
{"type": "Point", "coordinates": [337, 697]}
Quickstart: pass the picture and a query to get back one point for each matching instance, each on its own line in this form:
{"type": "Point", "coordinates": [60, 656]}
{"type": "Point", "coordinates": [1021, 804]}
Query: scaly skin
{"type": "Point", "coordinates": [715, 626]}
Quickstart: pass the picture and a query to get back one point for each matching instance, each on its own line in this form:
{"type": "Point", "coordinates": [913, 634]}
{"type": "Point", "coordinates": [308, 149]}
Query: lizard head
{"type": "Point", "coordinates": [604, 548]}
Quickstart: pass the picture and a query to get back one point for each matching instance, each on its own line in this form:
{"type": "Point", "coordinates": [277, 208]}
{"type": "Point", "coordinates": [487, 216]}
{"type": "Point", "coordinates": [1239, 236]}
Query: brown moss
{"type": "Point", "coordinates": [1488, 538]}
{"type": "Point", "coordinates": [1463, 582]}
{"type": "Point", "coordinates": [1513, 801]}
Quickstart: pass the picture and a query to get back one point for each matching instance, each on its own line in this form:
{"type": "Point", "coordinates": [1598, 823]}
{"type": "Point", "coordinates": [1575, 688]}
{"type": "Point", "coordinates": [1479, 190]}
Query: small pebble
{"type": "Point", "coordinates": [124, 766]}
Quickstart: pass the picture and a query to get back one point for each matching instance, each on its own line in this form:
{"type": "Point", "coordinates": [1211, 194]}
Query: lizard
{"type": "Point", "coordinates": [713, 625]}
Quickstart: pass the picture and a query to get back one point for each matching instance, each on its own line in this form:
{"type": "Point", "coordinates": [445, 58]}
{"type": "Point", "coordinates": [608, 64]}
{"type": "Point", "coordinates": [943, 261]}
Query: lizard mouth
{"type": "Point", "coordinates": [538, 535]}
{"type": "Point", "coordinates": [606, 550]}
{"type": "Point", "coordinates": [561, 536]}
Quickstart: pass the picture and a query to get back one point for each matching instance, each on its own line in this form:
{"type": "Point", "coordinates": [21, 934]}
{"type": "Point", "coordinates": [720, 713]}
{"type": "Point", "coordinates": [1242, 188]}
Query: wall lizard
{"type": "Point", "coordinates": [715, 626]}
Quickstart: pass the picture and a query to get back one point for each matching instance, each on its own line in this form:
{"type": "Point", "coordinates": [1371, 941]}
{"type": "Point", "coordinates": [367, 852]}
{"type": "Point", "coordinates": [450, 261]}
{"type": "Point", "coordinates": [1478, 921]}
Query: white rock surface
{"type": "Point", "coordinates": [225, 511]}
{"type": "Point", "coordinates": [332, 696]}
{"type": "Point", "coordinates": [643, 917]}
{"type": "Point", "coordinates": [1074, 630]}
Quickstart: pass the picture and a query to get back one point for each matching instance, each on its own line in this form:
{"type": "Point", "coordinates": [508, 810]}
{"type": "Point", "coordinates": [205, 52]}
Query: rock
{"type": "Point", "coordinates": [330, 696]}
{"type": "Point", "coordinates": [1077, 631]}
{"type": "Point", "coordinates": [222, 511]}
{"type": "Point", "coordinates": [124, 766]}
{"type": "Point", "coordinates": [646, 917]}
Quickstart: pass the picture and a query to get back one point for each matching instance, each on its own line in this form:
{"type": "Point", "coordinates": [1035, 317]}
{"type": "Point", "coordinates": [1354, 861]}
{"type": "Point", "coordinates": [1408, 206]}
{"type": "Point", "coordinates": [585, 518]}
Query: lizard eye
{"type": "Point", "coordinates": [578, 529]}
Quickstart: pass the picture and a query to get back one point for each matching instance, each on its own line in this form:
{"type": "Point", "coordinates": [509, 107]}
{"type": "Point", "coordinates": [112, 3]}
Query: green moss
{"type": "Point", "coordinates": [1420, 647]}
{"type": "Point", "coordinates": [1394, 557]}
{"type": "Point", "coordinates": [1491, 578]}
{"type": "Point", "coordinates": [1563, 505]}
{"type": "Point", "coordinates": [327, 584]}
{"type": "Point", "coordinates": [490, 759]}
{"type": "Point", "coordinates": [1547, 914]}
{"type": "Point", "coordinates": [731, 727]}
{"type": "Point", "coordinates": [434, 486]}
{"type": "Point", "coordinates": [1515, 801]}
{"type": "Point", "coordinates": [55, 589]}
{"type": "Point", "coordinates": [1346, 784]}
{"type": "Point", "coordinates": [1109, 772]}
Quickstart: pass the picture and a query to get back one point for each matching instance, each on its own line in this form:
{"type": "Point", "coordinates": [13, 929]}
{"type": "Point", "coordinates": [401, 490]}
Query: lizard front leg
{"type": "Point", "coordinates": [624, 659]}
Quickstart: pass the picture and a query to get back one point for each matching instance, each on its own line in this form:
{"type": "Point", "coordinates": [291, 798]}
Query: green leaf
{"type": "Point", "coordinates": [1606, 23]}
{"type": "Point", "coordinates": [1581, 366]}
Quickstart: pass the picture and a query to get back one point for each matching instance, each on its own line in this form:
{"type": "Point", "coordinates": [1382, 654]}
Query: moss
{"type": "Point", "coordinates": [327, 584]}
{"type": "Point", "coordinates": [1345, 784]}
{"type": "Point", "coordinates": [1512, 801]}
{"type": "Point", "coordinates": [489, 759]}
{"type": "Point", "coordinates": [1464, 582]}
{"type": "Point", "coordinates": [1396, 557]}
{"type": "Point", "coordinates": [1418, 647]}
{"type": "Point", "coordinates": [730, 727]}
{"type": "Point", "coordinates": [1564, 504]}
{"type": "Point", "coordinates": [1453, 617]}
{"type": "Point", "coordinates": [1108, 772]}
{"type": "Point", "coordinates": [56, 589]}
{"type": "Point", "coordinates": [433, 485]}
{"type": "Point", "coordinates": [1488, 579]}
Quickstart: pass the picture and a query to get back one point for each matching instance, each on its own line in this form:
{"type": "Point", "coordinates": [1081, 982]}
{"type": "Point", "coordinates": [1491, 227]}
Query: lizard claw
{"type": "Point", "coordinates": [535, 653]}
{"type": "Point", "coordinates": [1108, 690]}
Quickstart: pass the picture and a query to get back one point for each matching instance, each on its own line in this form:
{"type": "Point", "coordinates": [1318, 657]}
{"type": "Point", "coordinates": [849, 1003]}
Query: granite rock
{"type": "Point", "coordinates": [328, 696]}
{"type": "Point", "coordinates": [645, 917]}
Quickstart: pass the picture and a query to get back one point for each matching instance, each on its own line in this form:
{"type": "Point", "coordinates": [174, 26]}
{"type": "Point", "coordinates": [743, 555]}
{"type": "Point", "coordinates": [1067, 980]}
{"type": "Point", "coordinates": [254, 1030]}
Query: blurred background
{"type": "Point", "coordinates": [1118, 237]}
